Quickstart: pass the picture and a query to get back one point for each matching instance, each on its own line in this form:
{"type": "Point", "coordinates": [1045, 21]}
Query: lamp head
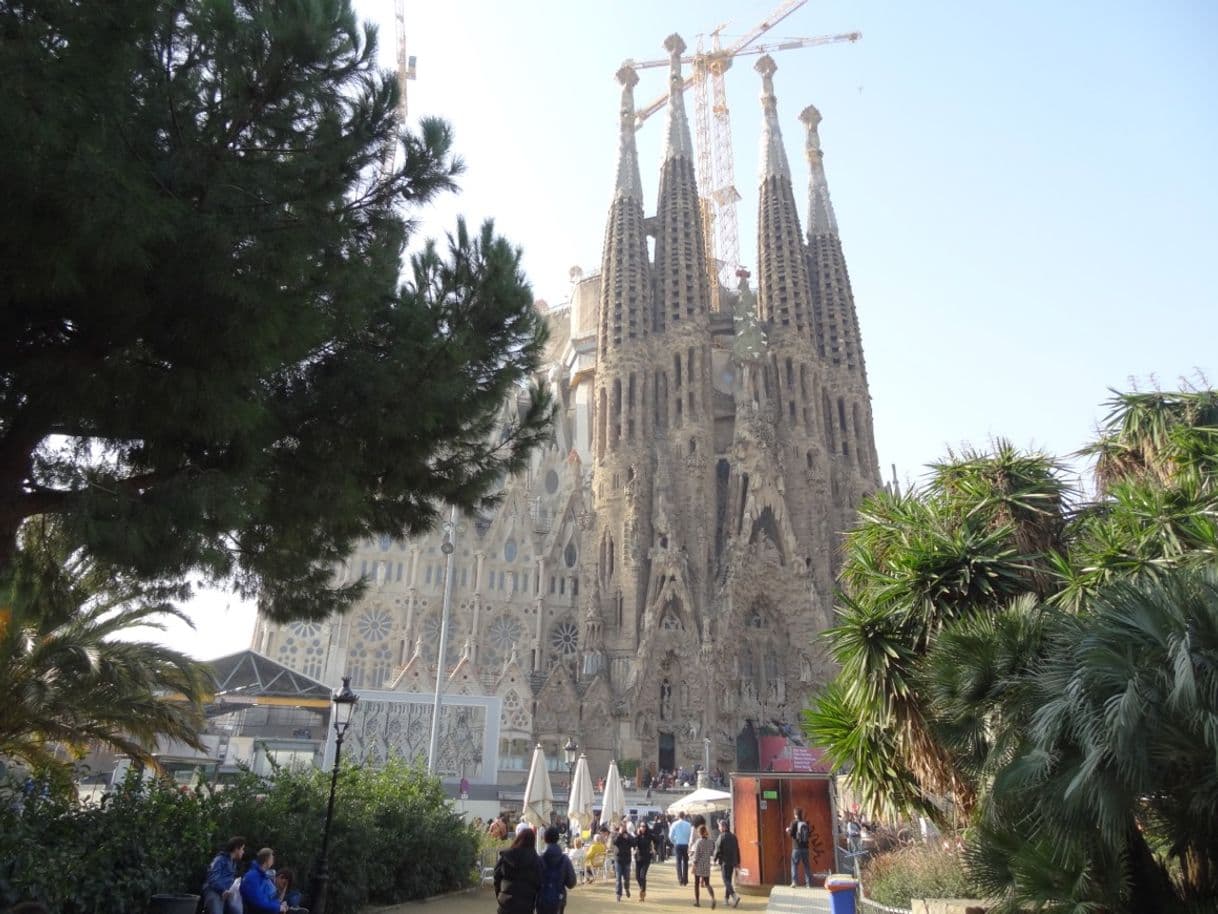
{"type": "Point", "coordinates": [570, 750]}
{"type": "Point", "coordinates": [344, 705]}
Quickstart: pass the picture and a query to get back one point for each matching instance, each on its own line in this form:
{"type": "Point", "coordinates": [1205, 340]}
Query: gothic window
{"type": "Point", "coordinates": [384, 542]}
{"type": "Point", "coordinates": [510, 551]}
{"type": "Point", "coordinates": [569, 555]}
{"type": "Point", "coordinates": [380, 667]}
{"type": "Point", "coordinates": [551, 481]}
{"type": "Point", "coordinates": [315, 656]}
{"type": "Point", "coordinates": [356, 660]}
{"type": "Point", "coordinates": [374, 625]}
{"type": "Point", "coordinates": [305, 629]}
{"type": "Point", "coordinates": [564, 638]}
{"type": "Point", "coordinates": [504, 632]}
{"type": "Point", "coordinates": [513, 716]}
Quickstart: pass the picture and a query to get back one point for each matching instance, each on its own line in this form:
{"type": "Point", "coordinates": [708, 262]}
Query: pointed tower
{"type": "Point", "coordinates": [784, 293]}
{"type": "Point", "coordinates": [682, 352]}
{"type": "Point", "coordinates": [845, 399]}
{"type": "Point", "coordinates": [622, 414]}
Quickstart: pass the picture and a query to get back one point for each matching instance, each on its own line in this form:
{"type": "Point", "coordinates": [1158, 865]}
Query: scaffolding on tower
{"type": "Point", "coordinates": [713, 132]}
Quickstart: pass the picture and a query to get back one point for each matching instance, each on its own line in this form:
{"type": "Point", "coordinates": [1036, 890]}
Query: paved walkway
{"type": "Point", "coordinates": [664, 896]}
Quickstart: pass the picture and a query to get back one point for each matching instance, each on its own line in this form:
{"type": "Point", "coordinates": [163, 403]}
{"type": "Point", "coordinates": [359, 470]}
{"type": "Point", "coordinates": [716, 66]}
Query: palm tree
{"type": "Point", "coordinates": [67, 678]}
{"type": "Point", "coordinates": [1107, 791]}
{"type": "Point", "coordinates": [977, 536]}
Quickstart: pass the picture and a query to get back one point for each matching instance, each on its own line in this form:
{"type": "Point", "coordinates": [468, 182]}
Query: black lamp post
{"type": "Point", "coordinates": [570, 752]}
{"type": "Point", "coordinates": [344, 705]}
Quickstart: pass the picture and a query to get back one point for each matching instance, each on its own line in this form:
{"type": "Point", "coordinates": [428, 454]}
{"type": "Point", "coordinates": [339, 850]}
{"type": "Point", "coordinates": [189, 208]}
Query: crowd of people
{"type": "Point", "coordinates": [527, 882]}
{"type": "Point", "coordinates": [258, 889]}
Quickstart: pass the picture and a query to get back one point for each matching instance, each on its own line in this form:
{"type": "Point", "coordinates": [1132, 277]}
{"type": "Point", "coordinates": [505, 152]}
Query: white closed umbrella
{"type": "Point", "coordinates": [579, 804]}
{"type": "Point", "coordinates": [538, 795]}
{"type": "Point", "coordinates": [613, 800]}
{"type": "Point", "coordinates": [702, 801]}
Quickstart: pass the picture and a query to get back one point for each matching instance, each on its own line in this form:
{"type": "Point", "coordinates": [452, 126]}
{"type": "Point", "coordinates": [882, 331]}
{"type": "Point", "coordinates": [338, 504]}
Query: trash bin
{"type": "Point", "coordinates": [173, 903]}
{"type": "Point", "coordinates": [842, 890]}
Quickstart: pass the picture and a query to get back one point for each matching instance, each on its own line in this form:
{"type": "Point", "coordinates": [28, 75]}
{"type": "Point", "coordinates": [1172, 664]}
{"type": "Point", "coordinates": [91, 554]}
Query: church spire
{"type": "Point", "coordinates": [628, 182]}
{"type": "Point", "coordinates": [625, 305]}
{"type": "Point", "coordinates": [784, 294]}
{"type": "Point", "coordinates": [773, 155]}
{"type": "Point", "coordinates": [682, 289]}
{"type": "Point", "coordinates": [821, 220]}
{"type": "Point", "coordinates": [678, 143]}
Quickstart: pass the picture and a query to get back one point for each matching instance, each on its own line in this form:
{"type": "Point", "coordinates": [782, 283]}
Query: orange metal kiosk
{"type": "Point", "coordinates": [763, 805]}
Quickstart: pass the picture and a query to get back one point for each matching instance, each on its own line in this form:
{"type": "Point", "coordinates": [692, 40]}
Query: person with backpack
{"type": "Point", "coordinates": [518, 875]}
{"type": "Point", "coordinates": [557, 875]}
{"type": "Point", "coordinates": [727, 855]}
{"type": "Point", "coordinates": [801, 836]}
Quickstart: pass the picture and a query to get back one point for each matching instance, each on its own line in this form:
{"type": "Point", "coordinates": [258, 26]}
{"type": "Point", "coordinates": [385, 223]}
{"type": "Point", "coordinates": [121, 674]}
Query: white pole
{"type": "Point", "coordinates": [448, 547]}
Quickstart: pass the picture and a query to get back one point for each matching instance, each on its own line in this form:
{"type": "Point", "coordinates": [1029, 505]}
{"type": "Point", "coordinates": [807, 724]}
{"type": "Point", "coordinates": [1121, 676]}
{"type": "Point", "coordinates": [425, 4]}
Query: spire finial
{"type": "Point", "coordinates": [773, 155]}
{"type": "Point", "coordinates": [821, 218]}
{"type": "Point", "coordinates": [629, 183]}
{"type": "Point", "coordinates": [679, 142]}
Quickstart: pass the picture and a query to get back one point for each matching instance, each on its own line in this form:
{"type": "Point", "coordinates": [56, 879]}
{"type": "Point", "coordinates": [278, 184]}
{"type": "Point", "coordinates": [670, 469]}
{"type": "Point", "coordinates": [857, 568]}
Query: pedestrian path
{"type": "Point", "coordinates": [664, 896]}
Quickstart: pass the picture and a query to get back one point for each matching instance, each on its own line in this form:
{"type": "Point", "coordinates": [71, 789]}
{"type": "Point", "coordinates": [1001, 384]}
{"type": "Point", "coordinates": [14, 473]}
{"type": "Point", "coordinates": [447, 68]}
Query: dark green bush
{"type": "Point", "coordinates": [394, 839]}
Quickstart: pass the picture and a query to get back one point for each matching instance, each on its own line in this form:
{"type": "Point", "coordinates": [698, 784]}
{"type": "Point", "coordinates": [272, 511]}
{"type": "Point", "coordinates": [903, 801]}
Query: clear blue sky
{"type": "Point", "coordinates": [1024, 189]}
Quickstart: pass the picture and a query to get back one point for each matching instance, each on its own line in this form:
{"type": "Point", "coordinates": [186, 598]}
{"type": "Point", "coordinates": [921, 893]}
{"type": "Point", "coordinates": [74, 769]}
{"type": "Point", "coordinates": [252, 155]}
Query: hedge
{"type": "Point", "coordinates": [394, 838]}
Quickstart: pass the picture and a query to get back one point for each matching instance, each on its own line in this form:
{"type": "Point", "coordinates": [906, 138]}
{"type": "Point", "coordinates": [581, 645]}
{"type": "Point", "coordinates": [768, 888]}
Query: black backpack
{"type": "Point", "coordinates": [799, 831]}
{"type": "Point", "coordinates": [551, 880]}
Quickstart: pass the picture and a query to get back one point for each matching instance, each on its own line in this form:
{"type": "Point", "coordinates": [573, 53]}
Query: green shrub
{"type": "Point", "coordinates": [920, 871]}
{"type": "Point", "coordinates": [393, 839]}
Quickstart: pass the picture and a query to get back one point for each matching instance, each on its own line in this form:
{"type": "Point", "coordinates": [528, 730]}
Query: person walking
{"type": "Point", "coordinates": [659, 833]}
{"type": "Point", "coordinates": [518, 875]}
{"type": "Point", "coordinates": [679, 834]}
{"type": "Point", "coordinates": [801, 836]}
{"type": "Point", "coordinates": [622, 844]}
{"type": "Point", "coordinates": [700, 854]}
{"type": "Point", "coordinates": [221, 874]}
{"type": "Point", "coordinates": [642, 857]}
{"type": "Point", "coordinates": [727, 855]}
{"type": "Point", "coordinates": [557, 875]}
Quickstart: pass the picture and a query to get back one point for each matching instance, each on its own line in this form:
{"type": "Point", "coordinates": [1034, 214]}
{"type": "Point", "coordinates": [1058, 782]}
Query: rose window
{"type": "Point", "coordinates": [504, 632]}
{"type": "Point", "coordinates": [375, 625]}
{"type": "Point", "coordinates": [564, 638]}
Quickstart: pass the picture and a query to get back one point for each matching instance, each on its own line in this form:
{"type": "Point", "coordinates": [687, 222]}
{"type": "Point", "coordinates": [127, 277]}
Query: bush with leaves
{"type": "Point", "coordinates": [919, 871]}
{"type": "Point", "coordinates": [394, 838]}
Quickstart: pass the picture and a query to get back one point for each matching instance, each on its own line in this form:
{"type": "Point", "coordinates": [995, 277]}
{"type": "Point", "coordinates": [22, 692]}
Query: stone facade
{"type": "Point", "coordinates": [657, 577]}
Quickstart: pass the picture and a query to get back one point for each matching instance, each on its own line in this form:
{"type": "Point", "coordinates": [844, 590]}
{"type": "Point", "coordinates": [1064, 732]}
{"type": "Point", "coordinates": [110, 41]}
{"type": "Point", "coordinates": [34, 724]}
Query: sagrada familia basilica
{"type": "Point", "coordinates": [657, 577]}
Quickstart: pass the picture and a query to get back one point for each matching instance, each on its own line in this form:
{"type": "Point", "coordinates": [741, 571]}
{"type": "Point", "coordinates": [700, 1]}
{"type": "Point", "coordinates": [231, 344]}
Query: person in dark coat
{"type": "Point", "coordinates": [642, 858]}
{"type": "Point", "coordinates": [518, 875]}
{"type": "Point", "coordinates": [622, 844]}
{"type": "Point", "coordinates": [727, 855]}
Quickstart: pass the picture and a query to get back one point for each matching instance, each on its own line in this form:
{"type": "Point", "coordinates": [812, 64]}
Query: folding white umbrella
{"type": "Point", "coordinates": [579, 804]}
{"type": "Point", "coordinates": [613, 800]}
{"type": "Point", "coordinates": [538, 795]}
{"type": "Point", "coordinates": [701, 802]}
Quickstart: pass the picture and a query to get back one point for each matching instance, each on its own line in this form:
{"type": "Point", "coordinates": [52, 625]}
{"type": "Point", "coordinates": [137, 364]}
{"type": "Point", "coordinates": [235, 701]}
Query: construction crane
{"type": "Point", "coordinates": [405, 71]}
{"type": "Point", "coordinates": [716, 168]}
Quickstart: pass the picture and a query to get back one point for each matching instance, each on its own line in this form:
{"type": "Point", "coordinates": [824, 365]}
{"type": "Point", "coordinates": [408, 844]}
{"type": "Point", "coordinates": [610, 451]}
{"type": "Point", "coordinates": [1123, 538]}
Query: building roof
{"type": "Point", "coordinates": [251, 674]}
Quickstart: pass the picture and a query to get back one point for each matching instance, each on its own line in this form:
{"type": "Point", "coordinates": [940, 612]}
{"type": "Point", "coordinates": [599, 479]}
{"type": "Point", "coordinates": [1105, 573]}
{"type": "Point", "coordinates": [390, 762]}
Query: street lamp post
{"type": "Point", "coordinates": [344, 705]}
{"type": "Point", "coordinates": [448, 547]}
{"type": "Point", "coordinates": [570, 752]}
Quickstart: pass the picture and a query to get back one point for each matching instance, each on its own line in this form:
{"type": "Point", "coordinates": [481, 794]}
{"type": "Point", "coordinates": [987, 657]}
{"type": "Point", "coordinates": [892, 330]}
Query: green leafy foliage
{"type": "Point", "coordinates": [210, 360]}
{"type": "Point", "coordinates": [918, 871]}
{"type": "Point", "coordinates": [68, 681]}
{"type": "Point", "coordinates": [394, 838]}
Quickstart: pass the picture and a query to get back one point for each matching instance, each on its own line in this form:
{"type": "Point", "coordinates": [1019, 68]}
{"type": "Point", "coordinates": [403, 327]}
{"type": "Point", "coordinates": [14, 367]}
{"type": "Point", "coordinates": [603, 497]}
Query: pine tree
{"type": "Point", "coordinates": [209, 358]}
